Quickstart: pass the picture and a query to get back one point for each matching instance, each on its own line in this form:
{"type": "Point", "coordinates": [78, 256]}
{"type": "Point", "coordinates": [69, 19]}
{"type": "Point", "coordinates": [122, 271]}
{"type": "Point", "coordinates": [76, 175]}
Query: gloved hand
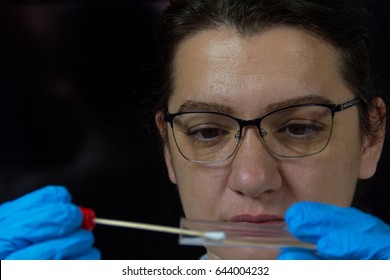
{"type": "Point", "coordinates": [44, 225]}
{"type": "Point", "coordinates": [339, 233]}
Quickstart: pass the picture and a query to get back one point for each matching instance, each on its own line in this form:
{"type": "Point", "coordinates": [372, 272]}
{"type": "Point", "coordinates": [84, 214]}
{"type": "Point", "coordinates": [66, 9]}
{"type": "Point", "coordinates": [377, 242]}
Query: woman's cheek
{"type": "Point", "coordinates": [320, 180]}
{"type": "Point", "coordinates": [201, 190]}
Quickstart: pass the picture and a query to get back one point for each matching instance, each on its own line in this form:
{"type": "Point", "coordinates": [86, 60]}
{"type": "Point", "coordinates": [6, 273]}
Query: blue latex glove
{"type": "Point", "coordinates": [44, 225]}
{"type": "Point", "coordinates": [339, 233]}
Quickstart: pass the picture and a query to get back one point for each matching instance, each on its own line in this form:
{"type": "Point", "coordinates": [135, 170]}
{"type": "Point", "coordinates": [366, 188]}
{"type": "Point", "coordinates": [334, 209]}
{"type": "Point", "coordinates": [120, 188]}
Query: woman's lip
{"type": "Point", "coordinates": [257, 219]}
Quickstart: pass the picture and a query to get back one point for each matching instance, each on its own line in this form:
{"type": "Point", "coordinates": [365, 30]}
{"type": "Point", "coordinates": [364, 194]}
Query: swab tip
{"type": "Point", "coordinates": [214, 235]}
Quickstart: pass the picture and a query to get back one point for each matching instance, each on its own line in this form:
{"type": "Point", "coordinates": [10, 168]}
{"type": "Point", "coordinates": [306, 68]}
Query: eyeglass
{"type": "Point", "coordinates": [294, 131]}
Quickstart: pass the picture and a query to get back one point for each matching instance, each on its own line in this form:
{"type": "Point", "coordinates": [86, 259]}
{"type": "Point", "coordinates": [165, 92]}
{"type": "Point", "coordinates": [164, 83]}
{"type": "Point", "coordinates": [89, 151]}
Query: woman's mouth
{"type": "Point", "coordinates": [257, 219]}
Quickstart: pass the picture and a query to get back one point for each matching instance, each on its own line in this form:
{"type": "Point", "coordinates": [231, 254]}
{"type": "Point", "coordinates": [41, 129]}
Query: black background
{"type": "Point", "coordinates": [75, 77]}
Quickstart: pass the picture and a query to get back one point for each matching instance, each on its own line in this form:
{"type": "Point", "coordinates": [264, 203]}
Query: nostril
{"type": "Point", "coordinates": [238, 192]}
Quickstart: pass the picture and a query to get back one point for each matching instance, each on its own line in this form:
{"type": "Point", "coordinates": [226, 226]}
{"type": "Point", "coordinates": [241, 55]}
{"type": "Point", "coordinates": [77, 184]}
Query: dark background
{"type": "Point", "coordinates": [75, 77]}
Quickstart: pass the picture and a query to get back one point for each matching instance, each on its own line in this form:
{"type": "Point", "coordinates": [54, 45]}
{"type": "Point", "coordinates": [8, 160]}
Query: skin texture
{"type": "Point", "coordinates": [249, 77]}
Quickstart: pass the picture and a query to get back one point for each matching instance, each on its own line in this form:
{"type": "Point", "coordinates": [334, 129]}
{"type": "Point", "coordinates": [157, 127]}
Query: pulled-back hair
{"type": "Point", "coordinates": [342, 23]}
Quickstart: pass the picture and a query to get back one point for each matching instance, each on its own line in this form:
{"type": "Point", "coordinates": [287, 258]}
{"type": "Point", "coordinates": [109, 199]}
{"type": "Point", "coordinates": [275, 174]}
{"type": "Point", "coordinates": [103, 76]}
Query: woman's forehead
{"type": "Point", "coordinates": [281, 41]}
{"type": "Point", "coordinates": [221, 67]}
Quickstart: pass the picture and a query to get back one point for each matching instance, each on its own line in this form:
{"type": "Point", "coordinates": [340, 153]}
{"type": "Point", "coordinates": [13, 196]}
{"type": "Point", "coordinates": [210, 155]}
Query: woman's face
{"type": "Point", "coordinates": [250, 77]}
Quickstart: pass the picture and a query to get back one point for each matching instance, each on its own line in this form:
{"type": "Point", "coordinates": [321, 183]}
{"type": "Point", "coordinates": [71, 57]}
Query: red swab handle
{"type": "Point", "coordinates": [88, 218]}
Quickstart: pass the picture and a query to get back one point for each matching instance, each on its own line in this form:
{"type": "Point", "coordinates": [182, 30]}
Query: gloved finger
{"type": "Point", "coordinates": [48, 194]}
{"type": "Point", "coordinates": [49, 220]}
{"type": "Point", "coordinates": [298, 254]}
{"type": "Point", "coordinates": [344, 245]}
{"type": "Point", "coordinates": [39, 224]}
{"type": "Point", "coordinates": [38, 216]}
{"type": "Point", "coordinates": [42, 205]}
{"type": "Point", "coordinates": [72, 246]}
{"type": "Point", "coordinates": [309, 221]}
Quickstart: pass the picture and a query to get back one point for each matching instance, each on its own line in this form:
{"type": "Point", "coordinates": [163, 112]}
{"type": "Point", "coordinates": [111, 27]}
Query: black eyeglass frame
{"type": "Point", "coordinates": [333, 108]}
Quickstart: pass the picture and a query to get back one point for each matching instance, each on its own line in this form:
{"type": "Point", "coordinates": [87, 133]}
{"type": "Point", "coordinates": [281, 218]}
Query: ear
{"type": "Point", "coordinates": [163, 129]}
{"type": "Point", "coordinates": [372, 143]}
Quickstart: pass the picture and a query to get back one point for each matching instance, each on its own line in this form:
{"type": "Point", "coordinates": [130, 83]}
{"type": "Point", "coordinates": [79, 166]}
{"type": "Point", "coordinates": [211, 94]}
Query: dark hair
{"type": "Point", "coordinates": [342, 23]}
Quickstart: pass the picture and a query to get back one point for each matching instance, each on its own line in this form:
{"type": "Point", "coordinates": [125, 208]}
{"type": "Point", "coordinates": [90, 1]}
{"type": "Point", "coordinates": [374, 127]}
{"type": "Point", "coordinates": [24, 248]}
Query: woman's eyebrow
{"type": "Point", "coordinates": [190, 105]}
{"type": "Point", "coordinates": [308, 99]}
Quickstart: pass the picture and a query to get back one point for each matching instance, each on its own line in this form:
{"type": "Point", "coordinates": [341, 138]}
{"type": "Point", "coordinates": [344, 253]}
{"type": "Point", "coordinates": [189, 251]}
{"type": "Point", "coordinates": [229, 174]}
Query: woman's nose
{"type": "Point", "coordinates": [254, 170]}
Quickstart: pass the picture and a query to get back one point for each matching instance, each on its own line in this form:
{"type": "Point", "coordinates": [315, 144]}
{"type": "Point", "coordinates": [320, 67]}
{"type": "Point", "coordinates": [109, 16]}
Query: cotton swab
{"type": "Point", "coordinates": [212, 235]}
{"type": "Point", "coordinates": [89, 221]}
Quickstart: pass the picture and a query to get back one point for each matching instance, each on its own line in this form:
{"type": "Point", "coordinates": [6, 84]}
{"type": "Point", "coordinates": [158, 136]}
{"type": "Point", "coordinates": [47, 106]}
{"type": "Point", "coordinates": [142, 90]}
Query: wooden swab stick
{"type": "Point", "coordinates": [89, 221]}
{"type": "Point", "coordinates": [213, 235]}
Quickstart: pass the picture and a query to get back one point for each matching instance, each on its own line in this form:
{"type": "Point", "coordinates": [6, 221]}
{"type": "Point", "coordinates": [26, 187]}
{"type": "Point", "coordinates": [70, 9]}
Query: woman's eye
{"type": "Point", "coordinates": [206, 133]}
{"type": "Point", "coordinates": [299, 129]}
{"type": "Point", "coordinates": [302, 129]}
{"type": "Point", "coordinates": [209, 133]}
